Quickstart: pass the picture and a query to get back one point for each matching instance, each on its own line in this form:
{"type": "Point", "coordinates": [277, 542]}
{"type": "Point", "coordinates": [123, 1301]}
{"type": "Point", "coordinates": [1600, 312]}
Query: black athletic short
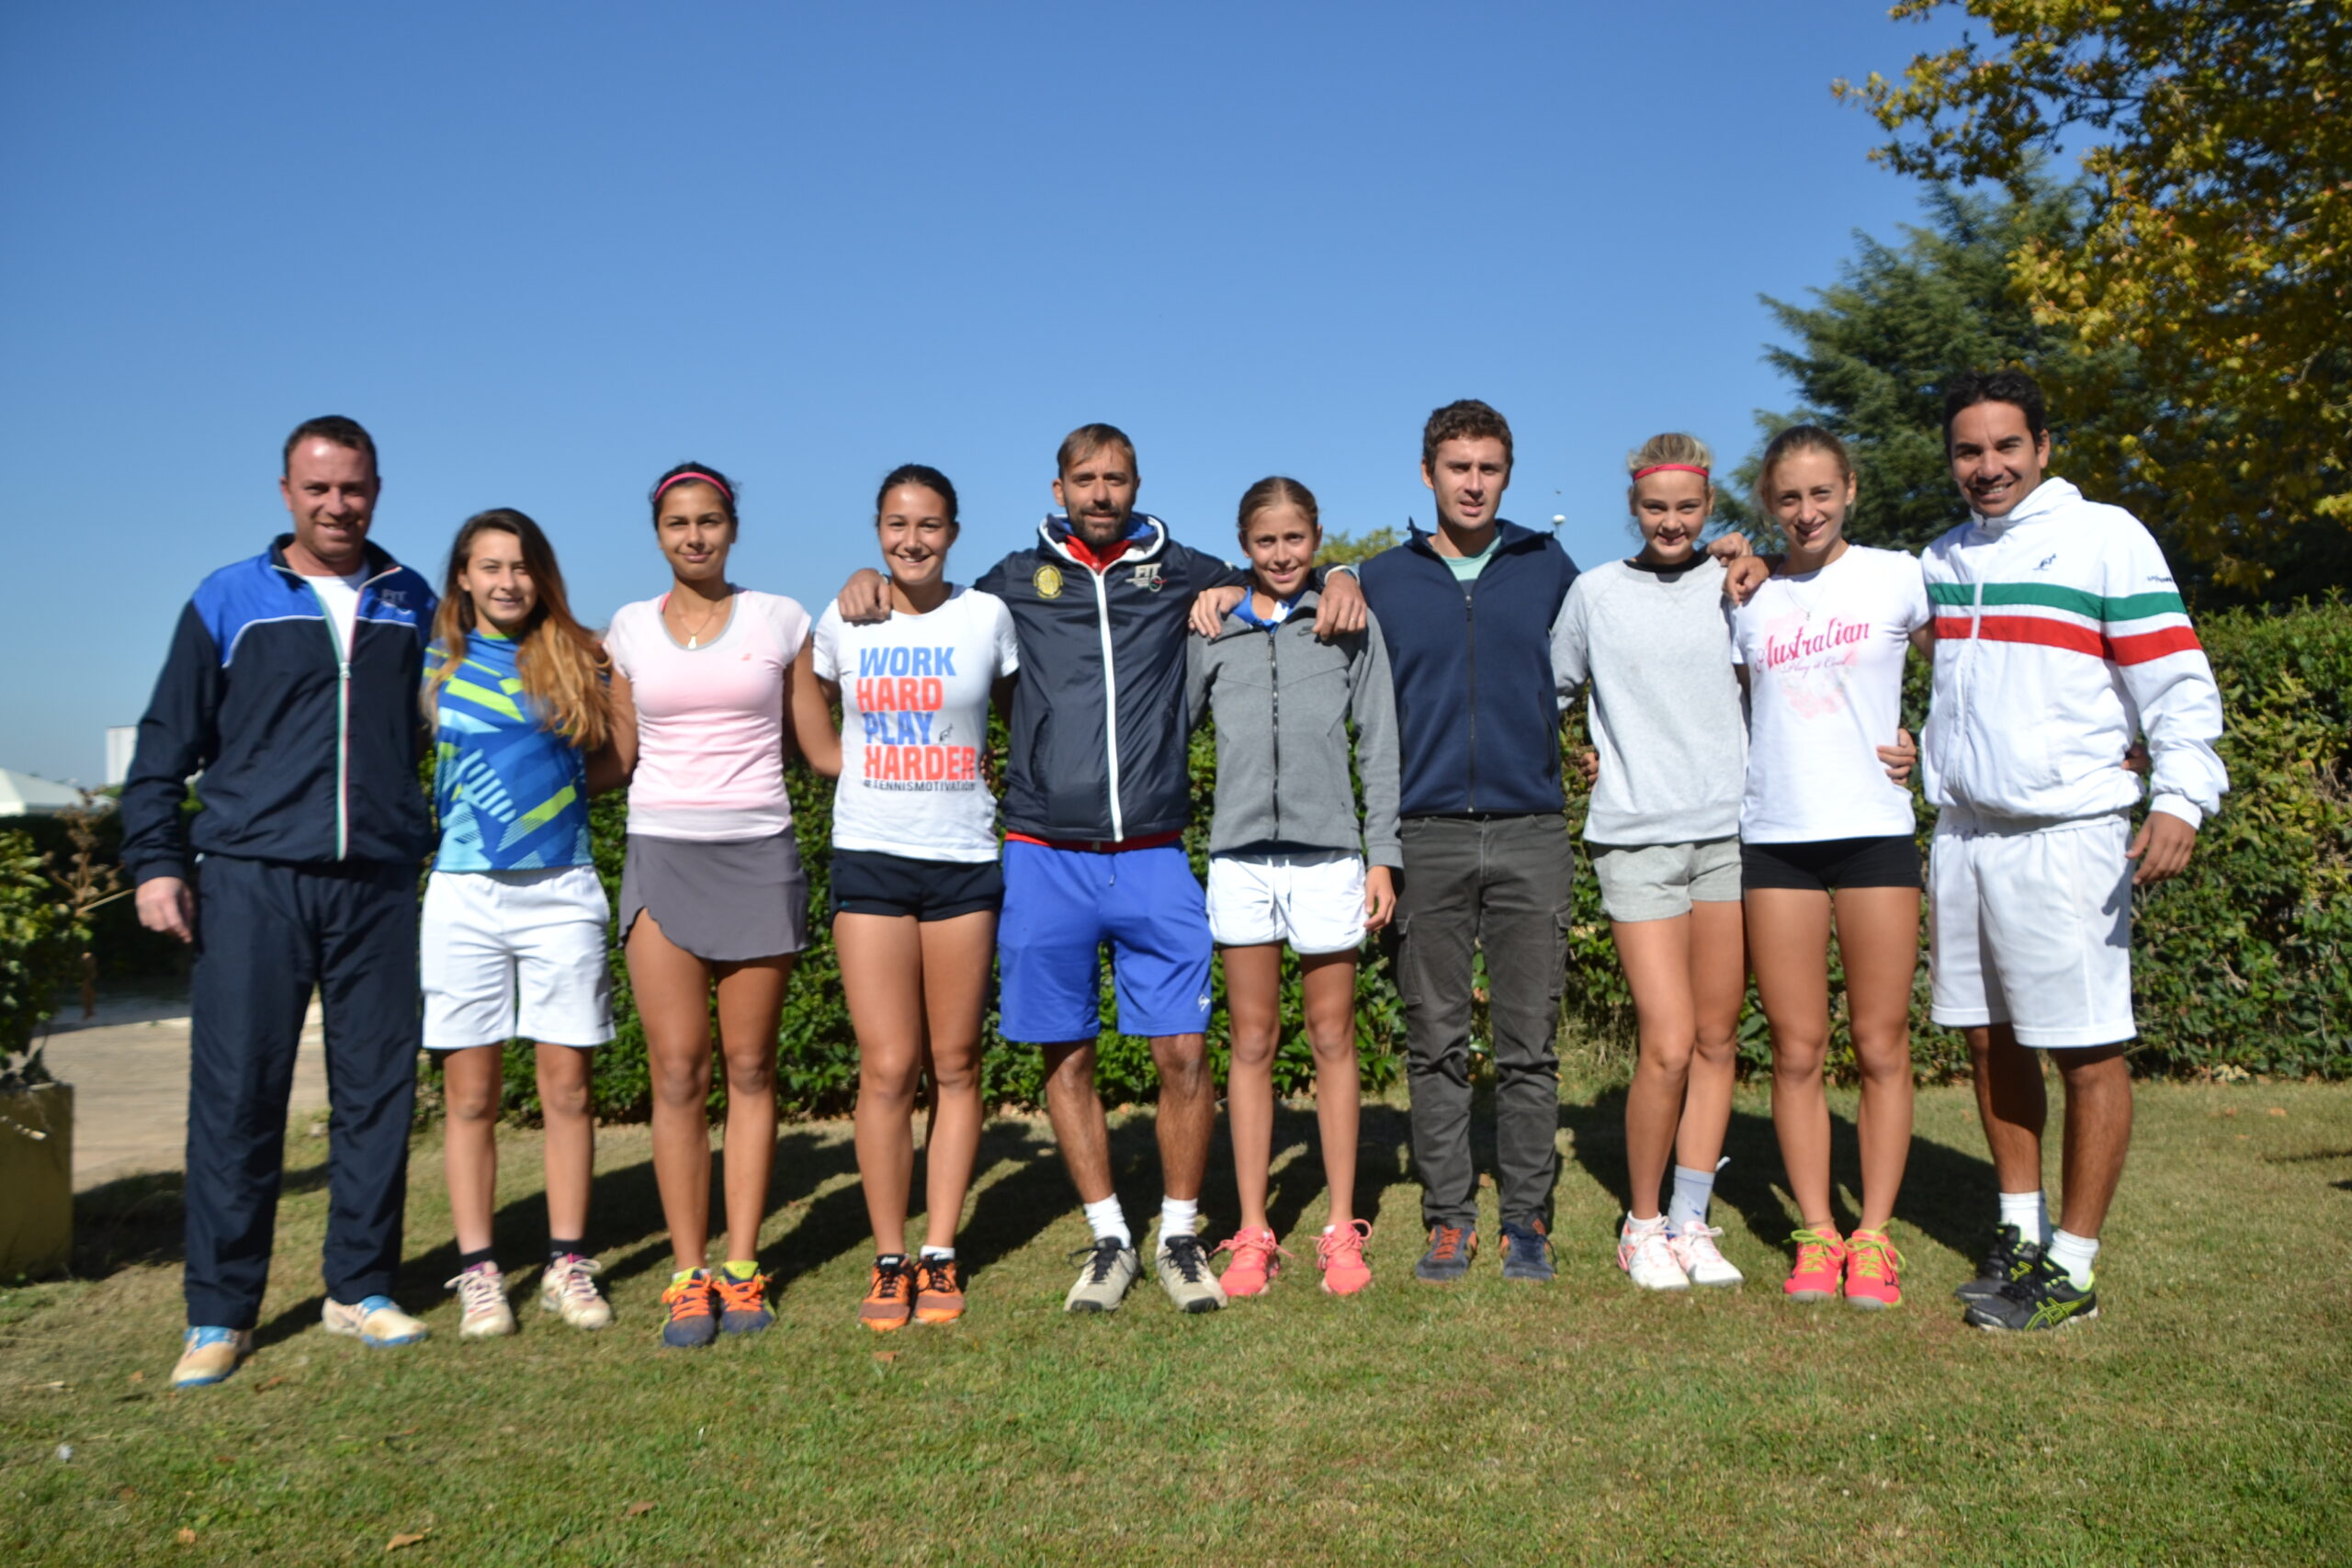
{"type": "Point", "coordinates": [1824, 866]}
{"type": "Point", "coordinates": [865, 882]}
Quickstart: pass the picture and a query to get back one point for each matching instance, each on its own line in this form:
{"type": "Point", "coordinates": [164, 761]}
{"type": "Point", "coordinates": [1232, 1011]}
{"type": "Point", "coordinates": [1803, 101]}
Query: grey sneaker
{"type": "Point", "coordinates": [1183, 1267]}
{"type": "Point", "coordinates": [1111, 1267]}
{"type": "Point", "coordinates": [1527, 1253]}
{"type": "Point", "coordinates": [1448, 1258]}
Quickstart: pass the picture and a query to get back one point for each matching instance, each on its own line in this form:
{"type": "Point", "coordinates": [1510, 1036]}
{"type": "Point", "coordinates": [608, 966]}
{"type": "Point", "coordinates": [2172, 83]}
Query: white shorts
{"type": "Point", "coordinates": [1314, 901]}
{"type": "Point", "coordinates": [2033, 930]}
{"type": "Point", "coordinates": [489, 935]}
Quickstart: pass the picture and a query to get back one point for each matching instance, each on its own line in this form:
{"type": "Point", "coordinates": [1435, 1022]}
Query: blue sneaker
{"type": "Point", "coordinates": [1527, 1253]}
{"type": "Point", "coordinates": [691, 1323]}
{"type": "Point", "coordinates": [209, 1354]}
{"type": "Point", "coordinates": [374, 1321]}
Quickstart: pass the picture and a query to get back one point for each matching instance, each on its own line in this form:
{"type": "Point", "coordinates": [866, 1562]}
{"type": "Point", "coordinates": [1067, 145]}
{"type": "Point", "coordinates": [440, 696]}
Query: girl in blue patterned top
{"type": "Point", "coordinates": [515, 691]}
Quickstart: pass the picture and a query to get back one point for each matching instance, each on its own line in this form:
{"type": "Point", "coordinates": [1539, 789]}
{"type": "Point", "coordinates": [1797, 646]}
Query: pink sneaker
{"type": "Point", "coordinates": [1339, 1252]}
{"type": "Point", "coordinates": [1821, 1257]}
{"type": "Point", "coordinates": [1257, 1258]}
{"type": "Point", "coordinates": [1873, 1267]}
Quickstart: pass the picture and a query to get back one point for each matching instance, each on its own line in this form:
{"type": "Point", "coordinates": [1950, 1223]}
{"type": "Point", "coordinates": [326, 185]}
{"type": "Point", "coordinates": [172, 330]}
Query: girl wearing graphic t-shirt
{"type": "Point", "coordinates": [1827, 839]}
{"type": "Point", "coordinates": [713, 683]}
{"type": "Point", "coordinates": [915, 882]}
{"type": "Point", "coordinates": [515, 689]}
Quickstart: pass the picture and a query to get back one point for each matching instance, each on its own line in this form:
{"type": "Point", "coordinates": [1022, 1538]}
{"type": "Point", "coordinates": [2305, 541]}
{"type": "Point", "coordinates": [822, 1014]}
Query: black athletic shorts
{"type": "Point", "coordinates": [1824, 866]}
{"type": "Point", "coordinates": [865, 882]}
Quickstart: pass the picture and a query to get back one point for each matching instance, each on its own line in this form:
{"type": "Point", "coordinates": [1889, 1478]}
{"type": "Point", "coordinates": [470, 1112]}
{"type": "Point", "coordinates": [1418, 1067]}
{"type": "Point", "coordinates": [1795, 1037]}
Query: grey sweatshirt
{"type": "Point", "coordinates": [1282, 699]}
{"type": "Point", "coordinates": [1665, 710]}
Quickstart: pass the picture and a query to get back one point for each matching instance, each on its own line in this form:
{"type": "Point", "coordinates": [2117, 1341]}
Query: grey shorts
{"type": "Point", "coordinates": [1658, 882]}
{"type": "Point", "coordinates": [726, 902]}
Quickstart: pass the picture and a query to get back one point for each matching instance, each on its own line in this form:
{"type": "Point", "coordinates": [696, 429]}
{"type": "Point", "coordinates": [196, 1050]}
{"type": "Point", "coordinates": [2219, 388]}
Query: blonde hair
{"type": "Point", "coordinates": [1787, 444]}
{"type": "Point", "coordinates": [562, 669]}
{"type": "Point", "coordinates": [1674, 447]}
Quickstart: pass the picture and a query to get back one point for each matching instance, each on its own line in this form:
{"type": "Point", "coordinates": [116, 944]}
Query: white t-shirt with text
{"type": "Point", "coordinates": [1824, 651]}
{"type": "Point", "coordinates": [915, 725]}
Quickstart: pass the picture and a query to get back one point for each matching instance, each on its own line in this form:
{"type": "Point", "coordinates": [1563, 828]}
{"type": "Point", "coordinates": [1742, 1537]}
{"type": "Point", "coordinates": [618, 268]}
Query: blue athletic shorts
{"type": "Point", "coordinates": [1061, 906]}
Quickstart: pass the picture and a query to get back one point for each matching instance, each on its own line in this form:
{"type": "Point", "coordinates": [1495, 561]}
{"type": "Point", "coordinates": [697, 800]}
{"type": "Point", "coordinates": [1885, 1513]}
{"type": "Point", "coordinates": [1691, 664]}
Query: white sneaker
{"type": "Point", "coordinates": [1694, 1249]}
{"type": "Point", "coordinates": [568, 1287]}
{"type": "Point", "coordinates": [482, 1311]}
{"type": "Point", "coordinates": [1644, 1252]}
{"type": "Point", "coordinates": [374, 1321]}
{"type": "Point", "coordinates": [1110, 1267]}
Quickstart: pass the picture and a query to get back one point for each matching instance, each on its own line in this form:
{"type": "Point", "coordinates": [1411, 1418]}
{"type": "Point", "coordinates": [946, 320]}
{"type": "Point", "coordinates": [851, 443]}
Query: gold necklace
{"type": "Point", "coordinates": [693, 638]}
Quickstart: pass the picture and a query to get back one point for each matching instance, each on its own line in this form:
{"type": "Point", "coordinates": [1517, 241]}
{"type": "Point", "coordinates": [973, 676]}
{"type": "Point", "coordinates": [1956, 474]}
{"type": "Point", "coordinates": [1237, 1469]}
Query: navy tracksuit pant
{"type": "Point", "coordinates": [267, 933]}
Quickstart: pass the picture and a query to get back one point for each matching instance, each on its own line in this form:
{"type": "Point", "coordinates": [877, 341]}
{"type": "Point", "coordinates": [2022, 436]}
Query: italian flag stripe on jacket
{"type": "Point", "coordinates": [2129, 629]}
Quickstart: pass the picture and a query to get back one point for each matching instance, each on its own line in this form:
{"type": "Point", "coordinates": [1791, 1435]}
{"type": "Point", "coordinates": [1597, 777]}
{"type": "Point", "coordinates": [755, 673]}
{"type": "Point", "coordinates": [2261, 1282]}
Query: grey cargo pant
{"type": "Point", "coordinates": [1500, 884]}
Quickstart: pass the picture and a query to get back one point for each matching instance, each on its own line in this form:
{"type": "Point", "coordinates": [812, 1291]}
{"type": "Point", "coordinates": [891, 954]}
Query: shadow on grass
{"type": "Point", "coordinates": [136, 1222]}
{"type": "Point", "coordinates": [1946, 1194]}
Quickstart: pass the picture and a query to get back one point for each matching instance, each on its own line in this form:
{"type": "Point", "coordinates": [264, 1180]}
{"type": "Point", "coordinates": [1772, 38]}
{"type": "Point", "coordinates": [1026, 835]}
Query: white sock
{"type": "Point", "coordinates": [1106, 1218]}
{"type": "Point", "coordinates": [1692, 1192]}
{"type": "Point", "coordinates": [1179, 1216]}
{"type": "Point", "coordinates": [2029, 1212]}
{"type": "Point", "coordinates": [944, 1254]}
{"type": "Point", "coordinates": [2074, 1253]}
{"type": "Point", "coordinates": [1636, 1226]}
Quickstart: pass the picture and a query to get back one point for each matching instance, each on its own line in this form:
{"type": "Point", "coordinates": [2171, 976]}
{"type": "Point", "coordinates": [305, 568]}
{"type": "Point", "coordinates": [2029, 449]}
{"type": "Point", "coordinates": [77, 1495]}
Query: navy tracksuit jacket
{"type": "Point", "coordinates": [306, 851]}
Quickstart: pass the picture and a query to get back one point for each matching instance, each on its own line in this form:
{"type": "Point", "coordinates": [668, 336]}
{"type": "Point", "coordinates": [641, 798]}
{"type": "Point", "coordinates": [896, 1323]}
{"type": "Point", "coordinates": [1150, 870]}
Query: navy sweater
{"type": "Point", "coordinates": [308, 754]}
{"type": "Point", "coordinates": [1477, 711]}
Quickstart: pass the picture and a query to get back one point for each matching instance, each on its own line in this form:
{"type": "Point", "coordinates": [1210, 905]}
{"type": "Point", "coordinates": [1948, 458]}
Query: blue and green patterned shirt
{"type": "Point", "coordinates": [513, 795]}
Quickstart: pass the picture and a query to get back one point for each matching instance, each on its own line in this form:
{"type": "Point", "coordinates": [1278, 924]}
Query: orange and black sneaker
{"type": "Point", "coordinates": [939, 1291]}
{"type": "Point", "coordinates": [889, 1295]}
{"type": "Point", "coordinates": [689, 1301]}
{"type": "Point", "coordinates": [1451, 1249]}
{"type": "Point", "coordinates": [742, 1299]}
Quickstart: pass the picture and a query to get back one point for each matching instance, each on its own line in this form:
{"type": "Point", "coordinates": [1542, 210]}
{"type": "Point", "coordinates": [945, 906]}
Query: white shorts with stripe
{"type": "Point", "coordinates": [2033, 929]}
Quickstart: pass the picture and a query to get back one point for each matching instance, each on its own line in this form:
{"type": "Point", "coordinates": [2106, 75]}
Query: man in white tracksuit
{"type": "Point", "coordinates": [2060, 636]}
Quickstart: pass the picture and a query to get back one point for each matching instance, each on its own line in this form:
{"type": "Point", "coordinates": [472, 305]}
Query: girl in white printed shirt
{"type": "Point", "coordinates": [1826, 836]}
{"type": "Point", "coordinates": [916, 885]}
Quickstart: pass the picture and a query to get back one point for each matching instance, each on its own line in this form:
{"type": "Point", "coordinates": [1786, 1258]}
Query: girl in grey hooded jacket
{"type": "Point", "coordinates": [1288, 859]}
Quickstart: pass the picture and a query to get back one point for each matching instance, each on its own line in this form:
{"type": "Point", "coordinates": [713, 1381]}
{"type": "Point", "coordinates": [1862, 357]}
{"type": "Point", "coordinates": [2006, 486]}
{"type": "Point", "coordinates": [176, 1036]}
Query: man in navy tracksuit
{"type": "Point", "coordinates": [291, 687]}
{"type": "Point", "coordinates": [1467, 614]}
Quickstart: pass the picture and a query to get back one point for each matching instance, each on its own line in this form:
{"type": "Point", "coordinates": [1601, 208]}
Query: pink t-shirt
{"type": "Point", "coordinates": [710, 719]}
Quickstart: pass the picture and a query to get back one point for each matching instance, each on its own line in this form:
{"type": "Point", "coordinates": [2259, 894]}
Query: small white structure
{"type": "Point", "coordinates": [22, 794]}
{"type": "Point", "coordinates": [122, 742]}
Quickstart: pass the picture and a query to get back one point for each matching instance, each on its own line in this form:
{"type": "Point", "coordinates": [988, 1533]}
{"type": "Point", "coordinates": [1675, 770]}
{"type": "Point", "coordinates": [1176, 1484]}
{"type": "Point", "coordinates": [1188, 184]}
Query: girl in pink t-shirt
{"type": "Point", "coordinates": [708, 679]}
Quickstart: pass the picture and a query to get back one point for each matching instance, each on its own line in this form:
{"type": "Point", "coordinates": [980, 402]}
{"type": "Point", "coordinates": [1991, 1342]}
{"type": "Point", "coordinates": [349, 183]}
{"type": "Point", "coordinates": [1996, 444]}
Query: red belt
{"type": "Point", "coordinates": [1100, 846]}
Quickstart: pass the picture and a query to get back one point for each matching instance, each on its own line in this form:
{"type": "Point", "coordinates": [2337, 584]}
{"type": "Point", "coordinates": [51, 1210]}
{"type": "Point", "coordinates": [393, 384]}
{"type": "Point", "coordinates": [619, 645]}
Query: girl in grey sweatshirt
{"type": "Point", "coordinates": [1287, 860]}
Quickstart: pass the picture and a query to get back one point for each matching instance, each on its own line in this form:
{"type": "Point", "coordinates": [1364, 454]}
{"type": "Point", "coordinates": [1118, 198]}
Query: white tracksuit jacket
{"type": "Point", "coordinates": [2059, 637]}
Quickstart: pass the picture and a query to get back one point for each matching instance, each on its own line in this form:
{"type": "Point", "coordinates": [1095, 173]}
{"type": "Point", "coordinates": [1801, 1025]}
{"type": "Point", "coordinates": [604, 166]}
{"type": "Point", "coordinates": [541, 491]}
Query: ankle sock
{"type": "Point", "coordinates": [2074, 1253]}
{"type": "Point", "coordinates": [559, 1250]}
{"type": "Point", "coordinates": [1179, 1216]}
{"type": "Point", "coordinates": [889, 1260]}
{"type": "Point", "coordinates": [938, 1254]}
{"type": "Point", "coordinates": [1636, 1226]}
{"type": "Point", "coordinates": [1693, 1190]}
{"type": "Point", "coordinates": [2029, 1212]}
{"type": "Point", "coordinates": [683, 1275]}
{"type": "Point", "coordinates": [741, 1269]}
{"type": "Point", "coordinates": [1106, 1218]}
{"type": "Point", "coordinates": [476, 1259]}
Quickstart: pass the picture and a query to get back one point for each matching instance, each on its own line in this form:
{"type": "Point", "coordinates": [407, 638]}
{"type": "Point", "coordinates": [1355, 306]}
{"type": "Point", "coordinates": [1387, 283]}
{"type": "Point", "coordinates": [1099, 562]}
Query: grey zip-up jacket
{"type": "Point", "coordinates": [1281, 701]}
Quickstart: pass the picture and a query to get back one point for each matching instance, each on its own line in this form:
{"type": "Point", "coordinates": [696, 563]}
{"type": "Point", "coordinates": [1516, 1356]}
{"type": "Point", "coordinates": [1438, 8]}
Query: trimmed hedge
{"type": "Point", "coordinates": [2242, 966]}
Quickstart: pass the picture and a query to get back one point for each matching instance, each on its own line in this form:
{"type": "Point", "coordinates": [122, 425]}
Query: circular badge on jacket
{"type": "Point", "coordinates": [1048, 581]}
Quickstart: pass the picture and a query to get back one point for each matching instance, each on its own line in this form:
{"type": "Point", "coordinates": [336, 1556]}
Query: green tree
{"type": "Point", "coordinates": [1871, 356]}
{"type": "Point", "coordinates": [2217, 147]}
{"type": "Point", "coordinates": [1346, 550]}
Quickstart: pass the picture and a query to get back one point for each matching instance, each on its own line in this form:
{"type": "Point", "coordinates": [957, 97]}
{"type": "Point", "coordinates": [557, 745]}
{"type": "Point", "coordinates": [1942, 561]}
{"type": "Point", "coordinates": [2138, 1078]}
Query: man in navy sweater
{"type": "Point", "coordinates": [1467, 613]}
{"type": "Point", "coordinates": [291, 686]}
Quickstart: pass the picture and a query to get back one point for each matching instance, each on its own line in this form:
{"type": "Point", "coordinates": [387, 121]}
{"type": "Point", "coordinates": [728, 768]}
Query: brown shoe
{"type": "Point", "coordinates": [939, 1291]}
{"type": "Point", "coordinates": [889, 1294]}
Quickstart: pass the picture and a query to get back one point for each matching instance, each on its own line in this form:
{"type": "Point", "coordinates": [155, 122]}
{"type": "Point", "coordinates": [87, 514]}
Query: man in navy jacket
{"type": "Point", "coordinates": [1467, 613]}
{"type": "Point", "coordinates": [291, 687]}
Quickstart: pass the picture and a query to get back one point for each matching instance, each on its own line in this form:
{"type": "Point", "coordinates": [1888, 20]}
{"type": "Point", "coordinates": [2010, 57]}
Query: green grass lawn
{"type": "Point", "coordinates": [2206, 1417]}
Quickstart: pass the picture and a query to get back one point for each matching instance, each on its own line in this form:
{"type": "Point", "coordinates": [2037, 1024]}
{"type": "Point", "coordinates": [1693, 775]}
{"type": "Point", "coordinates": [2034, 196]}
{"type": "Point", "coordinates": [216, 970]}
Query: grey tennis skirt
{"type": "Point", "coordinates": [724, 902]}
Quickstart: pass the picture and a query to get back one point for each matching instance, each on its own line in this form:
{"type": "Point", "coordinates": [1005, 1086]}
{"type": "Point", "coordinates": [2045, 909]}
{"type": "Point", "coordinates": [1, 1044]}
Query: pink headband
{"type": "Point", "coordinates": [695, 474]}
{"type": "Point", "coordinates": [1670, 469]}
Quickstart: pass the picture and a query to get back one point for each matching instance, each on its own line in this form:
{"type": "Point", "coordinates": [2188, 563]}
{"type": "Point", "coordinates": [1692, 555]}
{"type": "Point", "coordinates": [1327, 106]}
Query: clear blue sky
{"type": "Point", "coordinates": [544, 251]}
